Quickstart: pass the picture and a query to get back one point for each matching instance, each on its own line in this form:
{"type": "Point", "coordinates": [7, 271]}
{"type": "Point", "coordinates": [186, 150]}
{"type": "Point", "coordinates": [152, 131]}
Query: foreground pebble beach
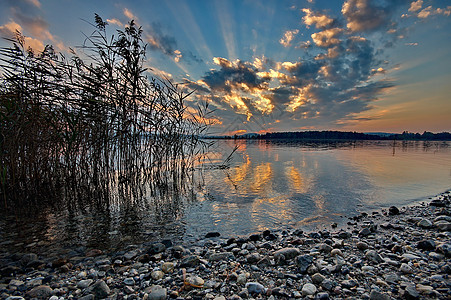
{"type": "Point", "coordinates": [399, 253]}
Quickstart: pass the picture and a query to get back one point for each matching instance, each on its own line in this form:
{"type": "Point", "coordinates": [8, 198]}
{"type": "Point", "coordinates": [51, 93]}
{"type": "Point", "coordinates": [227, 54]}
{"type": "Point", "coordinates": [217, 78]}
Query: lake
{"type": "Point", "coordinates": [267, 185]}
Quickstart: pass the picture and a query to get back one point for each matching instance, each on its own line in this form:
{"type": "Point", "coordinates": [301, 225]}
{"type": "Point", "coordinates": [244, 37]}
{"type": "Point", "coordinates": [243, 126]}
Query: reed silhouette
{"type": "Point", "coordinates": [92, 125]}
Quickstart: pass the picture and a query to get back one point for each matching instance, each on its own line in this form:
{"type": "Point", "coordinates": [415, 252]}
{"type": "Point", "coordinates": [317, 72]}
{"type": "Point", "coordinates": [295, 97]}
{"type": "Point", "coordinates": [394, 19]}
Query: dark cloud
{"type": "Point", "coordinates": [159, 41]}
{"type": "Point", "coordinates": [369, 15]}
{"type": "Point", "coordinates": [233, 75]}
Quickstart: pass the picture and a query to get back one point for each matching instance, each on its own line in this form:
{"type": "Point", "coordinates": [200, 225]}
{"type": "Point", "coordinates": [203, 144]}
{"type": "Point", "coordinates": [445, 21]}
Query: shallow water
{"type": "Point", "coordinates": [268, 185]}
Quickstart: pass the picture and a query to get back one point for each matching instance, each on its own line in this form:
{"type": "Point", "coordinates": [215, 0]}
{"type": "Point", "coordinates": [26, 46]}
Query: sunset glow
{"type": "Point", "coordinates": [360, 65]}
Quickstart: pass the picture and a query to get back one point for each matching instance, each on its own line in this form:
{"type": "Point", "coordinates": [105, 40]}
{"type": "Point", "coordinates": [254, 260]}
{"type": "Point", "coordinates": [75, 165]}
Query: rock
{"type": "Point", "coordinates": [427, 245]}
{"type": "Point", "coordinates": [373, 256]}
{"type": "Point", "coordinates": [168, 267]}
{"type": "Point", "coordinates": [391, 278]}
{"type": "Point", "coordinates": [437, 203]}
{"type": "Point", "coordinates": [317, 278]}
{"type": "Point", "coordinates": [347, 284]}
{"type": "Point", "coordinates": [157, 293]}
{"type": "Point", "coordinates": [375, 295]}
{"type": "Point", "coordinates": [157, 275]}
{"type": "Point", "coordinates": [424, 289]}
{"type": "Point", "coordinates": [129, 281]}
{"type": "Point", "coordinates": [336, 252]}
{"type": "Point", "coordinates": [409, 256]}
{"type": "Point", "coordinates": [221, 256]}
{"type": "Point", "coordinates": [362, 246]}
{"type": "Point", "coordinates": [212, 235]}
{"type": "Point", "coordinates": [15, 298]}
{"type": "Point", "coordinates": [425, 223]}
{"type": "Point", "coordinates": [410, 293]}
{"type": "Point", "coordinates": [84, 283]}
{"type": "Point", "coordinates": [190, 261]}
{"type": "Point", "coordinates": [344, 235]}
{"type": "Point", "coordinates": [308, 289]}
{"type": "Point", "coordinates": [255, 288]}
{"type": "Point", "coordinates": [40, 292]}
{"type": "Point", "coordinates": [444, 249]}
{"type": "Point", "coordinates": [27, 258]}
{"type": "Point", "coordinates": [393, 210]}
{"type": "Point", "coordinates": [128, 290]}
{"type": "Point", "coordinates": [253, 258]}
{"type": "Point", "coordinates": [303, 262]}
{"type": "Point", "coordinates": [131, 254]}
{"type": "Point", "coordinates": [220, 298]}
{"type": "Point", "coordinates": [288, 253]}
{"type": "Point", "coordinates": [241, 279]}
{"type": "Point", "coordinates": [327, 284]}
{"type": "Point", "coordinates": [443, 225]}
{"type": "Point", "coordinates": [406, 269]}
{"type": "Point", "coordinates": [195, 281]}
{"type": "Point", "coordinates": [364, 232]}
{"type": "Point", "coordinates": [93, 253]}
{"type": "Point", "coordinates": [100, 289]}
{"type": "Point", "coordinates": [322, 296]}
{"type": "Point", "coordinates": [156, 248]}
{"type": "Point", "coordinates": [87, 297]}
{"type": "Point", "coordinates": [323, 247]}
{"type": "Point", "coordinates": [255, 237]}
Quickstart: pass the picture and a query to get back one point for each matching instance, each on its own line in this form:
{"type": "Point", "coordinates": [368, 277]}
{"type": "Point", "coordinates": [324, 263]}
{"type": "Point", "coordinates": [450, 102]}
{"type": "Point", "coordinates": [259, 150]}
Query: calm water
{"type": "Point", "coordinates": [268, 185]}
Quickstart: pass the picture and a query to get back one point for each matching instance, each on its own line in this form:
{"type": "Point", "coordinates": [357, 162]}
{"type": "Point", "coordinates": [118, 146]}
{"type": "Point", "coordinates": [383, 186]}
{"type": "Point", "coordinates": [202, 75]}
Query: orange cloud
{"type": "Point", "coordinates": [288, 37]}
{"type": "Point", "coordinates": [327, 37]}
{"type": "Point", "coordinates": [319, 20]}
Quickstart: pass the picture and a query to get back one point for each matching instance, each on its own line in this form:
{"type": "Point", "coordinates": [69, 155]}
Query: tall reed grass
{"type": "Point", "coordinates": [92, 123]}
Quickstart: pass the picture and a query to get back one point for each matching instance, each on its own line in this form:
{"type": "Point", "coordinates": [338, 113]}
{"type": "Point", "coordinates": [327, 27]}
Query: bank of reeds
{"type": "Point", "coordinates": [92, 123]}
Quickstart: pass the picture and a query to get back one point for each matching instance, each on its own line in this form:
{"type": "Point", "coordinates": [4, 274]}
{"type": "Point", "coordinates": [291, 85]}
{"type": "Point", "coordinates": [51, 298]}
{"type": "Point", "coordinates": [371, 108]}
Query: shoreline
{"type": "Point", "coordinates": [392, 253]}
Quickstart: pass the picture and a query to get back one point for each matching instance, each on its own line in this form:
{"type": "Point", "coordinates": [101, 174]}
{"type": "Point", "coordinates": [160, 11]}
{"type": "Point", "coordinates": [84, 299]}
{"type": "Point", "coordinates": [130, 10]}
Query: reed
{"type": "Point", "coordinates": [93, 125]}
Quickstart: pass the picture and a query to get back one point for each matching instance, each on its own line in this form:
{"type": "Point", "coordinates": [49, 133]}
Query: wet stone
{"type": "Point", "coordinates": [376, 295]}
{"type": "Point", "coordinates": [40, 292]}
{"type": "Point", "coordinates": [308, 289]}
{"type": "Point", "coordinates": [255, 288]}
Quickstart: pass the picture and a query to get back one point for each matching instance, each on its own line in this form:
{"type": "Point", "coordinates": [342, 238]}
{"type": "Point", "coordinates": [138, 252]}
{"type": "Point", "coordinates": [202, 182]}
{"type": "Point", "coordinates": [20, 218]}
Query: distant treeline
{"type": "Point", "coordinates": [343, 135]}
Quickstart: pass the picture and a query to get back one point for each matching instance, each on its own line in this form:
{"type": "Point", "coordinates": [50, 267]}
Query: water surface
{"type": "Point", "coordinates": [268, 185]}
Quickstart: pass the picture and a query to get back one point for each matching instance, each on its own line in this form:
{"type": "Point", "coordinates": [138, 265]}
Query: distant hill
{"type": "Point", "coordinates": [343, 135]}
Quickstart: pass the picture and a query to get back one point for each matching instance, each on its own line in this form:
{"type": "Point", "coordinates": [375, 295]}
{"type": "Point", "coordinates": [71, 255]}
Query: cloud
{"type": "Point", "coordinates": [327, 38]}
{"type": "Point", "coordinates": [416, 5]}
{"type": "Point", "coordinates": [288, 36]}
{"type": "Point", "coordinates": [128, 13]}
{"type": "Point", "coordinates": [9, 30]}
{"type": "Point", "coordinates": [366, 15]}
{"type": "Point", "coordinates": [411, 44]}
{"type": "Point", "coordinates": [317, 19]}
{"type": "Point", "coordinates": [426, 12]}
{"type": "Point", "coordinates": [115, 22]}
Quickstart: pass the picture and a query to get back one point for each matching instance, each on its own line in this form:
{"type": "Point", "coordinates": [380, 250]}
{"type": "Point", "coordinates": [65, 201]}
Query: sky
{"type": "Point", "coordinates": [277, 65]}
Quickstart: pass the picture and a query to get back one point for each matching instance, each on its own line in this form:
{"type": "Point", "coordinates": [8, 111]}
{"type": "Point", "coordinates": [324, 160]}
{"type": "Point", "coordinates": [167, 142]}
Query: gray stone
{"type": "Point", "coordinates": [157, 275]}
{"type": "Point", "coordinates": [322, 296]}
{"type": "Point", "coordinates": [365, 232]}
{"type": "Point", "coordinates": [362, 246]}
{"type": "Point", "coordinates": [347, 284]}
{"type": "Point", "coordinates": [87, 297]}
{"type": "Point", "coordinates": [317, 278]}
{"type": "Point", "coordinates": [375, 295]}
{"type": "Point", "coordinates": [425, 223]}
{"type": "Point", "coordinates": [443, 225]}
{"type": "Point", "coordinates": [410, 293]}
{"type": "Point", "coordinates": [308, 289]}
{"type": "Point", "coordinates": [221, 256]}
{"type": "Point", "coordinates": [253, 258]}
{"type": "Point", "coordinates": [255, 288]}
{"type": "Point", "coordinates": [190, 261]}
{"type": "Point", "coordinates": [15, 298]}
{"type": "Point", "coordinates": [323, 247]}
{"type": "Point", "coordinates": [84, 283]}
{"type": "Point", "coordinates": [406, 269]}
{"type": "Point", "coordinates": [129, 281]}
{"type": "Point", "coordinates": [100, 289]}
{"type": "Point", "coordinates": [40, 292]}
{"type": "Point", "coordinates": [157, 293]}
{"type": "Point", "coordinates": [303, 262]}
{"type": "Point", "coordinates": [128, 290]}
{"type": "Point", "coordinates": [131, 254]}
{"type": "Point", "coordinates": [391, 278]}
{"type": "Point", "coordinates": [373, 256]}
{"type": "Point", "coordinates": [327, 284]}
{"type": "Point", "coordinates": [288, 253]}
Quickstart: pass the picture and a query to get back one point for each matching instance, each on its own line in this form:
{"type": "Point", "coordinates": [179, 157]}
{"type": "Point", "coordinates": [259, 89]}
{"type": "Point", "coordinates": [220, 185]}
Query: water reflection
{"type": "Point", "coordinates": [270, 184]}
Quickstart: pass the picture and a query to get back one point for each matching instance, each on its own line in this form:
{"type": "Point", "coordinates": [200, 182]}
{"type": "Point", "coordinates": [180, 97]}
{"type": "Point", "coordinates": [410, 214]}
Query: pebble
{"type": "Point", "coordinates": [408, 258]}
{"type": "Point", "coordinates": [308, 289]}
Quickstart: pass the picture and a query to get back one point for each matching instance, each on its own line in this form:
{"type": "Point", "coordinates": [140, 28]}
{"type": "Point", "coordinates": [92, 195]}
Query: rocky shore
{"type": "Point", "coordinates": [399, 253]}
